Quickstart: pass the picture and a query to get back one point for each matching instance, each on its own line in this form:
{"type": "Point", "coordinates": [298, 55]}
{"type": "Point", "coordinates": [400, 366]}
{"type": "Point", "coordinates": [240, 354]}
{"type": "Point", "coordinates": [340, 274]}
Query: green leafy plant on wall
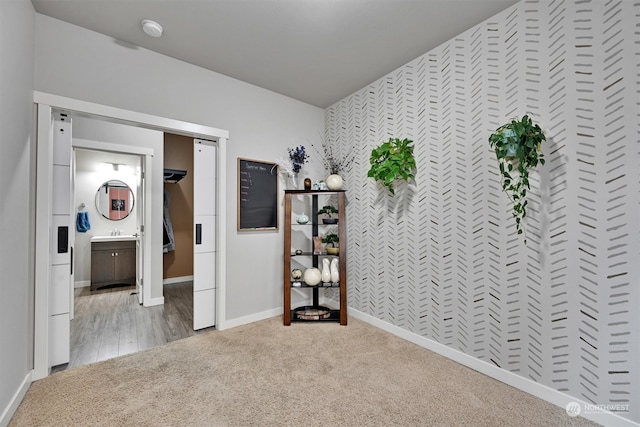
{"type": "Point", "coordinates": [392, 160]}
{"type": "Point", "coordinates": [518, 149]}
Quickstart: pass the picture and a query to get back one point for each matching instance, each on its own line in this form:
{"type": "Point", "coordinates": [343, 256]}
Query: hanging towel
{"type": "Point", "coordinates": [82, 222]}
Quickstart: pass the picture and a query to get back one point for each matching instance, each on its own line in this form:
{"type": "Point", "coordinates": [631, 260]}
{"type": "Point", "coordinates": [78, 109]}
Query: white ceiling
{"type": "Point", "coordinates": [316, 51]}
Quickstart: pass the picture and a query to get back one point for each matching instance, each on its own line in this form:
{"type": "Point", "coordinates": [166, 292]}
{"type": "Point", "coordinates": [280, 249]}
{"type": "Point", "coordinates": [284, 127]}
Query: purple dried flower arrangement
{"type": "Point", "coordinates": [298, 157]}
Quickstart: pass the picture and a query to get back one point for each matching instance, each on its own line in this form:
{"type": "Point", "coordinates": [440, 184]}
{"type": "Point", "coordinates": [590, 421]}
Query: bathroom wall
{"type": "Point", "coordinates": [91, 172]}
{"type": "Point", "coordinates": [178, 154]}
{"type": "Point", "coordinates": [442, 259]}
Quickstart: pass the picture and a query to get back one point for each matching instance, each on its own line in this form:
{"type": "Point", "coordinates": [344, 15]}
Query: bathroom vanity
{"type": "Point", "coordinates": [113, 261]}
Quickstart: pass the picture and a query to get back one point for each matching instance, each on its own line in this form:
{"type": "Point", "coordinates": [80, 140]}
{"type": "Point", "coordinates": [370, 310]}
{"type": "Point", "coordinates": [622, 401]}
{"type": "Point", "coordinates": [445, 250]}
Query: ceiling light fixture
{"type": "Point", "coordinates": [151, 28]}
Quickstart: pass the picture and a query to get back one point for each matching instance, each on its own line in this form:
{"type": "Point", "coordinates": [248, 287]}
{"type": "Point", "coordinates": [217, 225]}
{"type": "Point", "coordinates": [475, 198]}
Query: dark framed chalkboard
{"type": "Point", "coordinates": [257, 195]}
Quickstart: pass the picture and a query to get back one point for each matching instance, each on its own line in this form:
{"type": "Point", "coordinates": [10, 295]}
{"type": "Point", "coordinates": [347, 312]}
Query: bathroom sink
{"type": "Point", "coordinates": [120, 238]}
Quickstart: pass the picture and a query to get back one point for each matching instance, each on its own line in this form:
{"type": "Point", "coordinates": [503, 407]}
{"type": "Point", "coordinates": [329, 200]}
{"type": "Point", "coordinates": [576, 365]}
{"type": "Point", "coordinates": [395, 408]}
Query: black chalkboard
{"type": "Point", "coordinates": [257, 195]}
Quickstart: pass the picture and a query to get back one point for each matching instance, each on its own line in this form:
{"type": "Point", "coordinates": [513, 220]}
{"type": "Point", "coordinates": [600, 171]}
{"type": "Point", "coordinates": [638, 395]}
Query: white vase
{"type": "Point", "coordinates": [334, 182]}
{"type": "Point", "coordinates": [335, 271]}
{"type": "Point", "coordinates": [326, 271]}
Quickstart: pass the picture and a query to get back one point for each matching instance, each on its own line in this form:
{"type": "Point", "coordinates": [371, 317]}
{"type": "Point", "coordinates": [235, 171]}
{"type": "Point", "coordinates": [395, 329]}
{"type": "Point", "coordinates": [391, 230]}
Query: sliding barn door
{"type": "Point", "coordinates": [204, 257]}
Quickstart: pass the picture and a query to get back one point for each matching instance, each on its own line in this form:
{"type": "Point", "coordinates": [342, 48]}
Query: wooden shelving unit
{"type": "Point", "coordinates": [317, 229]}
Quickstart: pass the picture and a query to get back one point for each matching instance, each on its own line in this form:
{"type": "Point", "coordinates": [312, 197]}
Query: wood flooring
{"type": "Point", "coordinates": [109, 322]}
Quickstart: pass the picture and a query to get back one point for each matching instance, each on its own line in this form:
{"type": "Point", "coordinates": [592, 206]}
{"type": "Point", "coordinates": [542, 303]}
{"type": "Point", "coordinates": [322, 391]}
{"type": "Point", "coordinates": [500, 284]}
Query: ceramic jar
{"type": "Point", "coordinates": [334, 182]}
{"type": "Point", "coordinates": [312, 276]}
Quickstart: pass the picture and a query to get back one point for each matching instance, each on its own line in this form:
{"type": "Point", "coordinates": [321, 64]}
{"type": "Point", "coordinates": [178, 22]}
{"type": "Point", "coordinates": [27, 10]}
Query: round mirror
{"type": "Point", "coordinates": [114, 200]}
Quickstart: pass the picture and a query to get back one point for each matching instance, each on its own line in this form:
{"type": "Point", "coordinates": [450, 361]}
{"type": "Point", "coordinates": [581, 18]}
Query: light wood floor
{"type": "Point", "coordinates": [110, 322]}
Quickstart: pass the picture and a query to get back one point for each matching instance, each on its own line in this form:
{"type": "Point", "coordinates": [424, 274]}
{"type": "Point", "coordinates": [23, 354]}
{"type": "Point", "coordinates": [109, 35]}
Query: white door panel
{"type": "Point", "coordinates": [141, 220]}
{"type": "Point", "coordinates": [62, 140]}
{"type": "Point", "coordinates": [204, 160]}
{"type": "Point", "coordinates": [60, 240]}
{"type": "Point", "coordinates": [204, 208]}
{"type": "Point", "coordinates": [205, 233]}
{"type": "Point", "coordinates": [62, 230]}
{"type": "Point", "coordinates": [204, 272]}
{"type": "Point", "coordinates": [204, 303]}
{"type": "Point", "coordinates": [59, 339]}
{"type": "Point", "coordinates": [59, 302]}
{"type": "Point", "coordinates": [61, 200]}
{"type": "Point", "coordinates": [206, 202]}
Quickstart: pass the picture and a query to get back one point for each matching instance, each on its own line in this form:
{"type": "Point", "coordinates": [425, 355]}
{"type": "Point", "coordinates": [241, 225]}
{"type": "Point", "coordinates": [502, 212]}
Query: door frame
{"type": "Point", "coordinates": [145, 154]}
{"type": "Point", "coordinates": [46, 103]}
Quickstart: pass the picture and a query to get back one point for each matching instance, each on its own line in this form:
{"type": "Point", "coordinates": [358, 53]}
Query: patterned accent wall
{"type": "Point", "coordinates": [441, 258]}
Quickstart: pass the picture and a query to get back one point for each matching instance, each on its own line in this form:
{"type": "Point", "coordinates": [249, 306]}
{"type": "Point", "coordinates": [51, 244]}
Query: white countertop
{"type": "Point", "coordinates": [121, 238]}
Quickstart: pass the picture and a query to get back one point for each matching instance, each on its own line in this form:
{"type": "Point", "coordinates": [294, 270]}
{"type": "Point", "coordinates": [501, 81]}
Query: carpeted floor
{"type": "Point", "coordinates": [265, 374]}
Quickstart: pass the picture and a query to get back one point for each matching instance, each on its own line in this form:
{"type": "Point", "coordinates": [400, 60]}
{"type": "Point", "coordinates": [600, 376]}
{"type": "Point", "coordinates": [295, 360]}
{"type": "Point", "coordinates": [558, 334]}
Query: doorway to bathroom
{"type": "Point", "coordinates": [107, 319]}
{"type": "Point", "coordinates": [108, 196]}
{"type": "Point", "coordinates": [46, 105]}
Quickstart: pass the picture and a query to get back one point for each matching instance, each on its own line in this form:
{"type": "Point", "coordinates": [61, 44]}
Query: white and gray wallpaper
{"type": "Point", "coordinates": [441, 258]}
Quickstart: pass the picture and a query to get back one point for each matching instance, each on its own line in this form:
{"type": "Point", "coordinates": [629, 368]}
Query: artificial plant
{"type": "Point", "coordinates": [392, 160]}
{"type": "Point", "coordinates": [331, 239]}
{"type": "Point", "coordinates": [518, 148]}
{"type": "Point", "coordinates": [328, 210]}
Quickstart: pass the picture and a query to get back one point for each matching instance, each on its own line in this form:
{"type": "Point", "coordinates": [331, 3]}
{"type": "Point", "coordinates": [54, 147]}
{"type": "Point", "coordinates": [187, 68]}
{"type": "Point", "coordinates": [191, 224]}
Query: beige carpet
{"type": "Point", "coordinates": [265, 374]}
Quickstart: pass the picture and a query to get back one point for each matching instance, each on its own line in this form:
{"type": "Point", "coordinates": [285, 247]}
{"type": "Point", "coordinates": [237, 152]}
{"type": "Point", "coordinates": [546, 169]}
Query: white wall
{"type": "Point", "coordinates": [77, 63]}
{"type": "Point", "coordinates": [442, 259]}
{"type": "Point", "coordinates": [17, 23]}
{"type": "Point", "coordinates": [89, 177]}
{"type": "Point", "coordinates": [98, 130]}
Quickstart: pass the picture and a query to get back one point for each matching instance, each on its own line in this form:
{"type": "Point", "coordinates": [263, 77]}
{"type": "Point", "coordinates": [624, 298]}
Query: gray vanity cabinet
{"type": "Point", "coordinates": [113, 263]}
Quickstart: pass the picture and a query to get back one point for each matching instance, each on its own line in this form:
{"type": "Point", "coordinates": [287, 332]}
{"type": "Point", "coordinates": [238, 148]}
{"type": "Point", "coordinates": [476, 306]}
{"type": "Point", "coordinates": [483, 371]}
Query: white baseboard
{"type": "Point", "coordinates": [154, 301]}
{"type": "Point", "coordinates": [535, 389]}
{"type": "Point", "coordinates": [227, 324]}
{"type": "Point", "coordinates": [171, 280]}
{"type": "Point", "coordinates": [15, 401]}
{"type": "Point", "coordinates": [82, 284]}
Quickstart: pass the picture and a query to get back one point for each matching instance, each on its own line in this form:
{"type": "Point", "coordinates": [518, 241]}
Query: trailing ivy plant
{"type": "Point", "coordinates": [517, 147]}
{"type": "Point", "coordinates": [392, 160]}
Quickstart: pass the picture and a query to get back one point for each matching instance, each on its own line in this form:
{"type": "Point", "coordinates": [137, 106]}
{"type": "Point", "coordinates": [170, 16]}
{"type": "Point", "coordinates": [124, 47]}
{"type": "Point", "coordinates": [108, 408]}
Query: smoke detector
{"type": "Point", "coordinates": [151, 28]}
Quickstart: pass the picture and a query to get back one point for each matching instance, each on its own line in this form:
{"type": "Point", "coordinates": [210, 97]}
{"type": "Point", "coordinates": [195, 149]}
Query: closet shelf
{"type": "Point", "coordinates": [172, 176]}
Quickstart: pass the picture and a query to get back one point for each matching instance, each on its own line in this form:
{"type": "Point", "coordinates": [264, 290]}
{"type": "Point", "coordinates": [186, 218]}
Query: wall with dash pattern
{"type": "Point", "coordinates": [441, 259]}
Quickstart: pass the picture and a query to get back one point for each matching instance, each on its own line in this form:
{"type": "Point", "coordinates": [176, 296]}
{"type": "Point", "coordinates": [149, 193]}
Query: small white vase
{"type": "Point", "coordinates": [334, 182]}
{"type": "Point", "coordinates": [326, 271]}
{"type": "Point", "coordinates": [335, 271]}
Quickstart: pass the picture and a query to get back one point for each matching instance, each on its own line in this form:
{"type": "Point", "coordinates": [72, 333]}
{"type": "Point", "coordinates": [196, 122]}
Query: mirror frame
{"type": "Point", "coordinates": [118, 206]}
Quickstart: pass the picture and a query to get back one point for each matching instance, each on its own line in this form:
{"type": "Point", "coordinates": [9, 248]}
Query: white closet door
{"type": "Point", "coordinates": [204, 209]}
{"type": "Point", "coordinates": [61, 286]}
